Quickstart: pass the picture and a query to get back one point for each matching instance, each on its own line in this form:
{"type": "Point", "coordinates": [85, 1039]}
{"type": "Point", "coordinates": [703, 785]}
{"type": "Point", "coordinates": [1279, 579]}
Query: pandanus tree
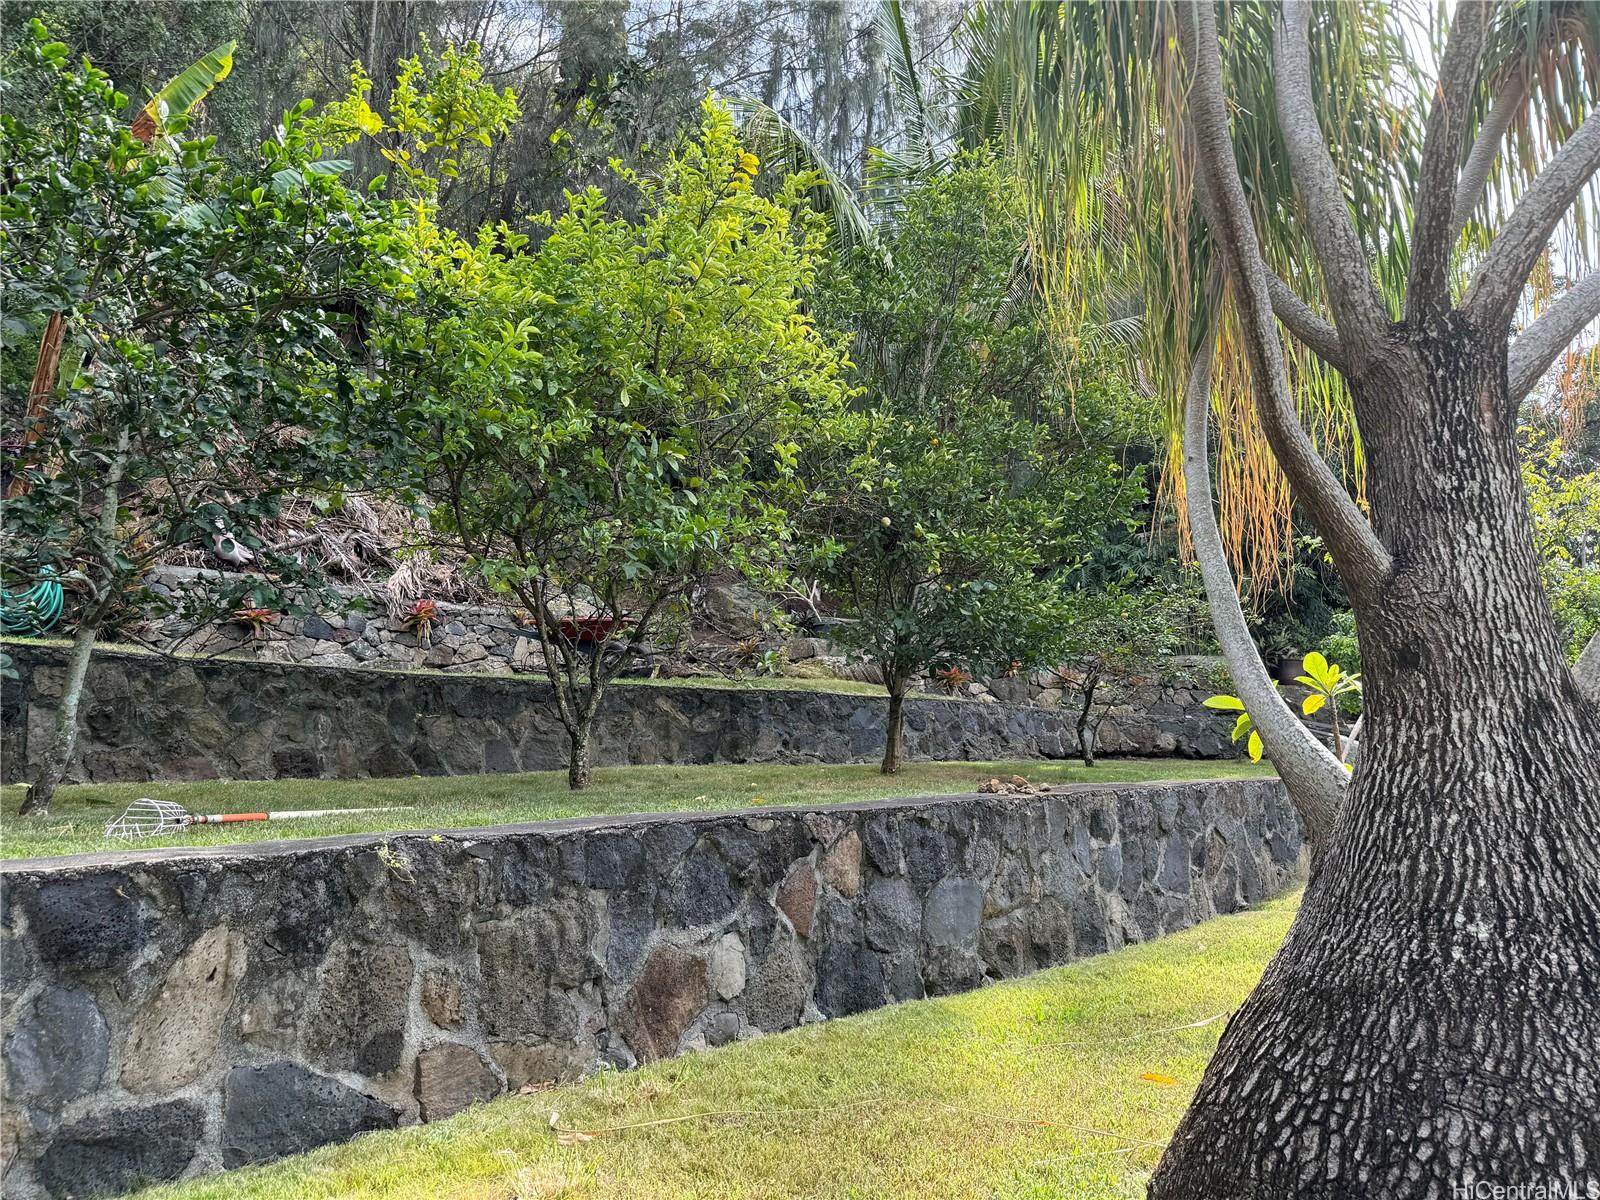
{"type": "Point", "coordinates": [1430, 1021]}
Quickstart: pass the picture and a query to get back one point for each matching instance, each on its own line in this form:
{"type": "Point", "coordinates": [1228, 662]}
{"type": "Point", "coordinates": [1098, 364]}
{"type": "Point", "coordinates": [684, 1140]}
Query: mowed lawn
{"type": "Point", "coordinates": [1063, 1084]}
{"type": "Point", "coordinates": [78, 816]}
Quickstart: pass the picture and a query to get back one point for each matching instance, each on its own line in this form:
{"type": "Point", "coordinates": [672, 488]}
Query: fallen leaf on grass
{"type": "Point", "coordinates": [1157, 1077]}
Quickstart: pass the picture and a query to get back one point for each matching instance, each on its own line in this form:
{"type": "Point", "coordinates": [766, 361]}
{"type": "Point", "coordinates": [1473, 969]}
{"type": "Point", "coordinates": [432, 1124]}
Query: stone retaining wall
{"type": "Point", "coordinates": [177, 1012]}
{"type": "Point", "coordinates": [146, 716]}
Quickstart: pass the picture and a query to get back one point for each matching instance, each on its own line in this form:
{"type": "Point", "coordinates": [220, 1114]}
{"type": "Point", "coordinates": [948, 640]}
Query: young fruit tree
{"type": "Point", "coordinates": [603, 421]}
{"type": "Point", "coordinates": [1431, 1020]}
{"type": "Point", "coordinates": [1113, 633]}
{"type": "Point", "coordinates": [967, 484]}
{"type": "Point", "coordinates": [199, 360]}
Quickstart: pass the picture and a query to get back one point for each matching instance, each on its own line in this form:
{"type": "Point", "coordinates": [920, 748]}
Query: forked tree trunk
{"type": "Point", "coordinates": [1087, 729]}
{"type": "Point", "coordinates": [895, 729]}
{"type": "Point", "coordinates": [1433, 1018]}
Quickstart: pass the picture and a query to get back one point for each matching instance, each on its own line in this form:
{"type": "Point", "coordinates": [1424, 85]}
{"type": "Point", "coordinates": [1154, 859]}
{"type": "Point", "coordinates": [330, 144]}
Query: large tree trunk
{"type": "Point", "coordinates": [895, 729]}
{"type": "Point", "coordinates": [59, 756]}
{"type": "Point", "coordinates": [1433, 1018]}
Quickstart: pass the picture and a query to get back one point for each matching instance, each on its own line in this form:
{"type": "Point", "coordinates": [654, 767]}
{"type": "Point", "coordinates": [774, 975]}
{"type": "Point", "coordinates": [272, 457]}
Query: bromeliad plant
{"type": "Point", "coordinates": [420, 618]}
{"type": "Point", "coordinates": [256, 620]}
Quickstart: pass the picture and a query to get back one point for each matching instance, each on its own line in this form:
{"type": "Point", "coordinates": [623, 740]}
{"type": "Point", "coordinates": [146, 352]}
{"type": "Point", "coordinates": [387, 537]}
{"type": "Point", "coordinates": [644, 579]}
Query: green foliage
{"type": "Point", "coordinates": [933, 545]}
{"type": "Point", "coordinates": [604, 421]}
{"type": "Point", "coordinates": [1243, 727]}
{"type": "Point", "coordinates": [965, 484]}
{"type": "Point", "coordinates": [1565, 501]}
{"type": "Point", "coordinates": [1120, 631]}
{"type": "Point", "coordinates": [1342, 646]}
{"type": "Point", "coordinates": [438, 110]}
{"type": "Point", "coordinates": [1326, 681]}
{"type": "Point", "coordinates": [190, 86]}
{"type": "Point", "coordinates": [209, 361]}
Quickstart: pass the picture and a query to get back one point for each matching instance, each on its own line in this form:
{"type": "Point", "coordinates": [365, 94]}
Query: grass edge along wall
{"type": "Point", "coordinates": [333, 986]}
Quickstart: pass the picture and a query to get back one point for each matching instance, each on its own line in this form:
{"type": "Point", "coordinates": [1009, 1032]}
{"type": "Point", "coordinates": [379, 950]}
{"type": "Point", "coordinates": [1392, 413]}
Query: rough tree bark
{"type": "Point", "coordinates": [1432, 1020]}
{"type": "Point", "coordinates": [1086, 728]}
{"type": "Point", "coordinates": [1433, 1017]}
{"type": "Point", "coordinates": [580, 765]}
{"type": "Point", "coordinates": [895, 725]}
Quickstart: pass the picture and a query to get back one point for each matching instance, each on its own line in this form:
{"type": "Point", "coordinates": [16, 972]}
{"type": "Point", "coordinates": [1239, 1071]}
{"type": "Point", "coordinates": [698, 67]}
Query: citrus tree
{"type": "Point", "coordinates": [971, 478]}
{"type": "Point", "coordinates": [1113, 633]}
{"type": "Point", "coordinates": [201, 357]}
{"type": "Point", "coordinates": [603, 420]}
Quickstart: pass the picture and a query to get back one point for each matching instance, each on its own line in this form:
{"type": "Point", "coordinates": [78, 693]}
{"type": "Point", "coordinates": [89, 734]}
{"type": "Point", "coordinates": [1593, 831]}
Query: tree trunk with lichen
{"type": "Point", "coordinates": [1087, 728]}
{"type": "Point", "coordinates": [64, 739]}
{"type": "Point", "coordinates": [1433, 1018]}
{"type": "Point", "coordinates": [894, 734]}
{"type": "Point", "coordinates": [580, 764]}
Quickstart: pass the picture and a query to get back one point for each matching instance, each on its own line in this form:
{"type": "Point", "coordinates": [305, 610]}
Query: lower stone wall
{"type": "Point", "coordinates": [146, 716]}
{"type": "Point", "coordinates": [177, 1012]}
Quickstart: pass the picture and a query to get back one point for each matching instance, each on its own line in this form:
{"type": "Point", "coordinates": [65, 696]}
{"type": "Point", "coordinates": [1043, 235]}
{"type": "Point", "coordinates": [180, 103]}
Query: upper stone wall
{"type": "Point", "coordinates": [146, 716]}
{"type": "Point", "coordinates": [179, 1011]}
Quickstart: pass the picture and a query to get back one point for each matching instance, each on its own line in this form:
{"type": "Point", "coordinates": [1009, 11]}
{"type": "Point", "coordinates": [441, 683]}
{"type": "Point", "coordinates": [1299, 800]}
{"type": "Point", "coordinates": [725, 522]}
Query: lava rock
{"type": "Point", "coordinates": [665, 1000]}
{"type": "Point", "coordinates": [450, 1078]}
{"type": "Point", "coordinates": [57, 1052]}
{"type": "Point", "coordinates": [116, 1151]}
{"type": "Point", "coordinates": [271, 1111]}
{"type": "Point", "coordinates": [88, 923]}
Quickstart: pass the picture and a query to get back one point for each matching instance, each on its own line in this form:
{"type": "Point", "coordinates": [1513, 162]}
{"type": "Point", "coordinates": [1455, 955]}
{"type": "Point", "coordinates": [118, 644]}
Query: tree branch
{"type": "Point", "coordinates": [1475, 174]}
{"type": "Point", "coordinates": [1542, 342]}
{"type": "Point", "coordinates": [1587, 669]}
{"type": "Point", "coordinates": [1428, 286]}
{"type": "Point", "coordinates": [1505, 269]}
{"type": "Point", "coordinates": [1358, 309]}
{"type": "Point", "coordinates": [1300, 319]}
{"type": "Point", "coordinates": [1361, 558]}
{"type": "Point", "coordinates": [1314, 777]}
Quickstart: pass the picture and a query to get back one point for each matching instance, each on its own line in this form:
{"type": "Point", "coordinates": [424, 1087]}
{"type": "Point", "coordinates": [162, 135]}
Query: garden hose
{"type": "Point", "coordinates": [34, 611]}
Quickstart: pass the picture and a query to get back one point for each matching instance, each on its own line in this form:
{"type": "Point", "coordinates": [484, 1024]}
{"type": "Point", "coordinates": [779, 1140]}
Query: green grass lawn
{"type": "Point", "coordinates": [79, 814]}
{"type": "Point", "coordinates": [1063, 1084]}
